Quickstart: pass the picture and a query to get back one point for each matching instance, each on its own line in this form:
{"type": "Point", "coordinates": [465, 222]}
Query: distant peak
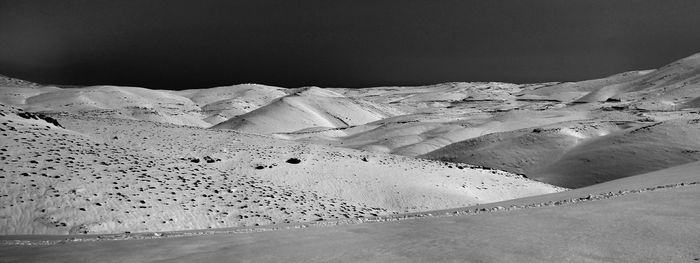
{"type": "Point", "coordinates": [692, 60]}
{"type": "Point", "coordinates": [694, 56]}
{"type": "Point", "coordinates": [9, 81]}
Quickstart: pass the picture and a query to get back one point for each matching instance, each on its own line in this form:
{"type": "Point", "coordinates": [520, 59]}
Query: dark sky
{"type": "Point", "coordinates": [193, 44]}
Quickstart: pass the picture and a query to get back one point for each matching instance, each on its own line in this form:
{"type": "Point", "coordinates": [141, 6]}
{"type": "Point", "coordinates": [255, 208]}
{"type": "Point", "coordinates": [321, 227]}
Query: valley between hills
{"type": "Point", "coordinates": [561, 171]}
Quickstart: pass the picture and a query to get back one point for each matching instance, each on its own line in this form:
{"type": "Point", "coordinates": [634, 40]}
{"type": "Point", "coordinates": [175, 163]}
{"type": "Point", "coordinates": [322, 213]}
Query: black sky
{"type": "Point", "coordinates": [194, 44]}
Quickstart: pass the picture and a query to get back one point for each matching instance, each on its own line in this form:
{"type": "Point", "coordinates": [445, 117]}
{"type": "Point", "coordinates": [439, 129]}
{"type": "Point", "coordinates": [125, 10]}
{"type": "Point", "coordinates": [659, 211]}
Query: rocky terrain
{"type": "Point", "coordinates": [111, 175]}
{"type": "Point", "coordinates": [590, 169]}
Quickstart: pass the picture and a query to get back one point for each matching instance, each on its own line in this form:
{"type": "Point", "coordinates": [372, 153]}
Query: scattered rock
{"type": "Point", "coordinates": [37, 116]}
{"type": "Point", "coordinates": [209, 159]}
{"type": "Point", "coordinates": [293, 161]}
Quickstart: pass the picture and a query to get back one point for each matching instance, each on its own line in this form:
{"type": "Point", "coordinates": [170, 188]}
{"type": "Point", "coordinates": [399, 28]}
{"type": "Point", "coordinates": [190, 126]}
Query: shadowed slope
{"type": "Point", "coordinates": [583, 154]}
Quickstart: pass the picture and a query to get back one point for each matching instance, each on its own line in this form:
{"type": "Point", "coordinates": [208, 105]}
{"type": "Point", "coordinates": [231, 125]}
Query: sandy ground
{"type": "Point", "coordinates": [650, 226]}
